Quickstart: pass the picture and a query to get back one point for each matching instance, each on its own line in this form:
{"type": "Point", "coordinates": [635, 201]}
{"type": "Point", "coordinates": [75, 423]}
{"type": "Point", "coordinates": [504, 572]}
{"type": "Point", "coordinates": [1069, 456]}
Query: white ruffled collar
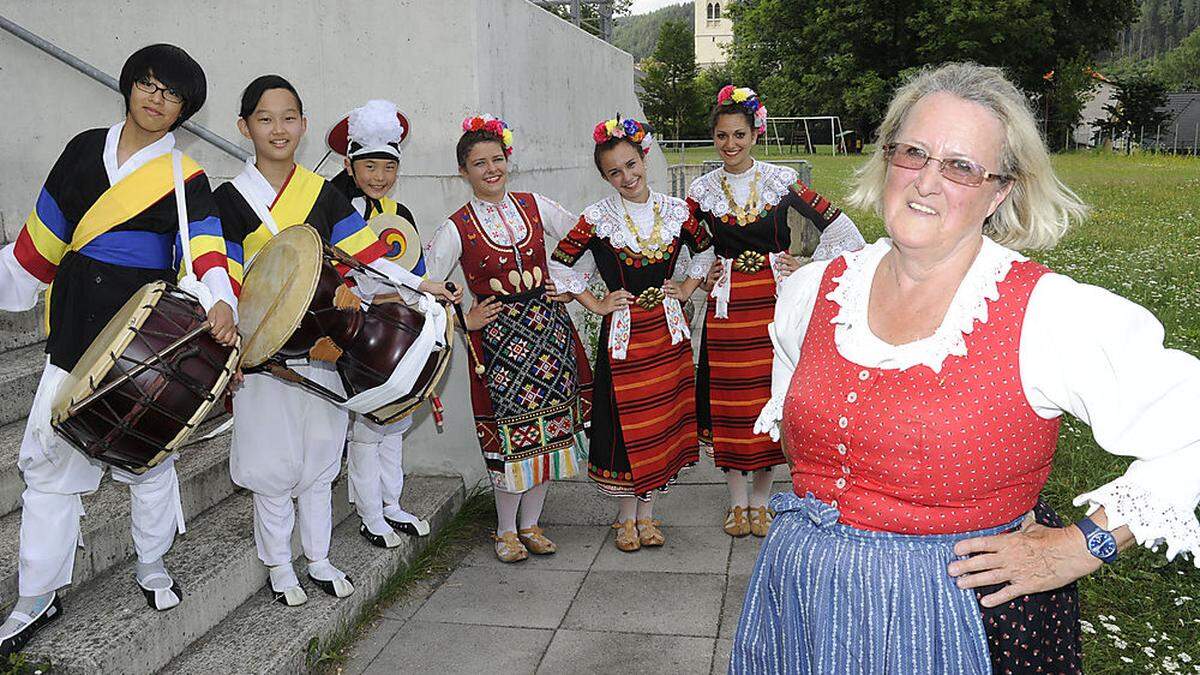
{"type": "Point", "coordinates": [853, 335]}
{"type": "Point", "coordinates": [607, 217]}
{"type": "Point", "coordinates": [774, 182]}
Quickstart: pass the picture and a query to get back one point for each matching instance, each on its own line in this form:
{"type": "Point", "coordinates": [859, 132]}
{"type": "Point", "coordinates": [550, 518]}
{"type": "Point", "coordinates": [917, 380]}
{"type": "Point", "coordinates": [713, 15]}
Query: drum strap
{"type": "Point", "coordinates": [402, 379]}
{"type": "Point", "coordinates": [242, 182]}
{"type": "Point", "coordinates": [187, 278]}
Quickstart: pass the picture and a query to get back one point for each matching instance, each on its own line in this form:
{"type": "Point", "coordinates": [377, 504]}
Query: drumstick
{"type": "Point", "coordinates": [479, 369]}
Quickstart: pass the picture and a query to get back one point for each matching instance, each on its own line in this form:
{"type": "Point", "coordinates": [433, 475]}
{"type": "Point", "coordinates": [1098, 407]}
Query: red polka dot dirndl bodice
{"type": "Point", "coordinates": [916, 451]}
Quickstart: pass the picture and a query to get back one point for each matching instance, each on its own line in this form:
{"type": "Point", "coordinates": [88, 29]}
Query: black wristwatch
{"type": "Point", "coordinates": [1100, 542]}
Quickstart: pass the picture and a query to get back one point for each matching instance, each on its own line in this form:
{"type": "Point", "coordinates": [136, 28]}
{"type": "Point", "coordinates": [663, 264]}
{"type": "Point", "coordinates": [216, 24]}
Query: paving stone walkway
{"type": "Point", "coordinates": [588, 608]}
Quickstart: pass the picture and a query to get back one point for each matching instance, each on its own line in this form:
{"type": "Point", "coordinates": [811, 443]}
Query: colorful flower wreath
{"type": "Point", "coordinates": [638, 132]}
{"type": "Point", "coordinates": [748, 99]}
{"type": "Point", "coordinates": [493, 125]}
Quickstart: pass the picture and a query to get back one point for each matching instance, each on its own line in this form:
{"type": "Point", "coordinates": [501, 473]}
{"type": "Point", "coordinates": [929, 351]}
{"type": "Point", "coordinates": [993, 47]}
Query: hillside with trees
{"type": "Point", "coordinates": [638, 34]}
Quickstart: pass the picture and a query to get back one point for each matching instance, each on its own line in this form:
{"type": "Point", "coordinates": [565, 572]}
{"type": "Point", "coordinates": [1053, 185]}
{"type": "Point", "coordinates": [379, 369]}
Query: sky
{"type": "Point", "coordinates": [643, 6]}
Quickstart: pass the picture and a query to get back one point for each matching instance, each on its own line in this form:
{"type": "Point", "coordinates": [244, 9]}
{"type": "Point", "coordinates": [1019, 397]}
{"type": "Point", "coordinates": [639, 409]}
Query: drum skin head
{"type": "Point", "coordinates": [102, 354]}
{"type": "Point", "coordinates": [401, 238]}
{"type": "Point", "coordinates": [276, 292]}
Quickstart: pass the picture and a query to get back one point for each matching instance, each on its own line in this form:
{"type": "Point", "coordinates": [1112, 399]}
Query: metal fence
{"type": "Point", "coordinates": [1169, 138]}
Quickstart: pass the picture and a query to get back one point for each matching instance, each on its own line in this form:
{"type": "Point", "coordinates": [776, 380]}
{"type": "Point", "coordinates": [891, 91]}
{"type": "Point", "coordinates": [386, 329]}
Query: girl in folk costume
{"type": "Point", "coordinates": [644, 417]}
{"type": "Point", "coordinates": [369, 138]}
{"type": "Point", "coordinates": [745, 205]}
{"type": "Point", "coordinates": [106, 223]}
{"type": "Point", "coordinates": [530, 385]}
{"type": "Point", "coordinates": [287, 442]}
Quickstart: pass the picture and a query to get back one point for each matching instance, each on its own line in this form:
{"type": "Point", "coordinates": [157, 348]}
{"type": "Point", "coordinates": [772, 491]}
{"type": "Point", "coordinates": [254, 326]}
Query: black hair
{"type": "Point", "coordinates": [175, 69]}
{"type": "Point", "coordinates": [729, 109]}
{"type": "Point", "coordinates": [261, 84]}
{"type": "Point", "coordinates": [606, 146]}
{"type": "Point", "coordinates": [470, 139]}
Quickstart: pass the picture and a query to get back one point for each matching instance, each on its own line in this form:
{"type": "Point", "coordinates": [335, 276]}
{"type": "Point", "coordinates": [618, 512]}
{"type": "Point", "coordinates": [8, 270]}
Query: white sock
{"type": "Point", "coordinates": [144, 570]}
{"type": "Point", "coordinates": [29, 606]}
{"type": "Point", "coordinates": [762, 487]}
{"type": "Point", "coordinates": [628, 509]}
{"type": "Point", "coordinates": [283, 577]}
{"type": "Point", "coordinates": [737, 488]}
{"type": "Point", "coordinates": [506, 511]}
{"type": "Point", "coordinates": [531, 505]}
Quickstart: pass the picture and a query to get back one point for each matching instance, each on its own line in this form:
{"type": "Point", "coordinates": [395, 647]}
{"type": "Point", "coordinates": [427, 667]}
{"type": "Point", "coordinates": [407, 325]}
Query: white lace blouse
{"type": "Point", "coordinates": [1083, 350]}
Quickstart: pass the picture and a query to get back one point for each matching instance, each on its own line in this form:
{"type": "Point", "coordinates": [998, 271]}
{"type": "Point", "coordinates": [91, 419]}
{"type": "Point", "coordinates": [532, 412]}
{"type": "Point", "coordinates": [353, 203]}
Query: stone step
{"type": "Point", "coordinates": [20, 371]}
{"type": "Point", "coordinates": [227, 609]}
{"type": "Point", "coordinates": [203, 482]}
{"type": "Point", "coordinates": [21, 329]}
{"type": "Point", "coordinates": [11, 485]}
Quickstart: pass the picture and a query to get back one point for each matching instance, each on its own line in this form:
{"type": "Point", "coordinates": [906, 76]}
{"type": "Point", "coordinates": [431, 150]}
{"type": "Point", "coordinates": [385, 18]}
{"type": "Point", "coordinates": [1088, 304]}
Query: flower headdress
{"type": "Point", "coordinates": [638, 132]}
{"type": "Point", "coordinates": [493, 125]}
{"type": "Point", "coordinates": [748, 99]}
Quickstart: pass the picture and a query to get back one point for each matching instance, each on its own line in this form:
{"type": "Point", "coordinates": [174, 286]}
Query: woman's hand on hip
{"type": "Point", "coordinates": [1033, 559]}
{"type": "Point", "coordinates": [785, 264]}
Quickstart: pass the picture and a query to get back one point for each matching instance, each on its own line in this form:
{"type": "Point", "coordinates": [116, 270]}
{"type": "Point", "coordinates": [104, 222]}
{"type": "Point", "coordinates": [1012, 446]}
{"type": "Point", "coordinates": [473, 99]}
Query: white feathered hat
{"type": "Point", "coordinates": [375, 129]}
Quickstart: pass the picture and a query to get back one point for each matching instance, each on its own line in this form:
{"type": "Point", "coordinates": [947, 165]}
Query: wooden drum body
{"type": "Point", "coordinates": [146, 382]}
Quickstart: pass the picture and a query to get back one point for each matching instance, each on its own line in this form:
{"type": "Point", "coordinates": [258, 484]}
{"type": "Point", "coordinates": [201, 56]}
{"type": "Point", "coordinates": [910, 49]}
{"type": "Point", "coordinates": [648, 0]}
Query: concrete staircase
{"type": "Point", "coordinates": [227, 622]}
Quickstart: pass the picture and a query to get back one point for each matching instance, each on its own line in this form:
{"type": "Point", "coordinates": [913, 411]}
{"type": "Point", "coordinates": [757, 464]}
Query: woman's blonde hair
{"type": "Point", "coordinates": [1039, 209]}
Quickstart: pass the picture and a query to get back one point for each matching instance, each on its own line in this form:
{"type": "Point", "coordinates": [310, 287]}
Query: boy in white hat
{"type": "Point", "coordinates": [369, 138]}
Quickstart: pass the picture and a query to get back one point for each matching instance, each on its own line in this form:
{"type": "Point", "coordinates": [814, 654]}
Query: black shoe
{"type": "Point", "coordinates": [329, 587]}
{"type": "Point", "coordinates": [154, 595]}
{"type": "Point", "coordinates": [379, 540]}
{"type": "Point", "coordinates": [408, 528]}
{"type": "Point", "coordinates": [17, 641]}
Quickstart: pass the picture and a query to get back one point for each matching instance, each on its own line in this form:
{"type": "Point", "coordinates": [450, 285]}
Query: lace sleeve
{"type": "Point", "coordinates": [840, 236]}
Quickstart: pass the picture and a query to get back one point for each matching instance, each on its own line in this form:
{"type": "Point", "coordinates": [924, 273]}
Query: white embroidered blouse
{"type": "Point", "coordinates": [1083, 350]}
{"type": "Point", "coordinates": [503, 224]}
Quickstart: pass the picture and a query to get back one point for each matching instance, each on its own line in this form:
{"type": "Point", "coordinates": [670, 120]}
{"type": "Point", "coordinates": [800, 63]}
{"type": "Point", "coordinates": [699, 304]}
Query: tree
{"type": "Point", "coordinates": [589, 16]}
{"type": "Point", "coordinates": [638, 34]}
{"type": "Point", "coordinates": [1180, 67]}
{"type": "Point", "coordinates": [669, 88]}
{"type": "Point", "coordinates": [845, 57]}
{"type": "Point", "coordinates": [1063, 98]}
{"type": "Point", "coordinates": [1136, 107]}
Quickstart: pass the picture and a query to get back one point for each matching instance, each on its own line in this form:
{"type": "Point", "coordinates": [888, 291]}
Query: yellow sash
{"type": "Point", "coordinates": [130, 196]}
{"type": "Point", "coordinates": [292, 207]}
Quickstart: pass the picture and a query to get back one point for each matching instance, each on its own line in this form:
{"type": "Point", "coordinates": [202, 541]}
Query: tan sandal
{"type": "Point", "coordinates": [536, 542]}
{"type": "Point", "coordinates": [761, 518]}
{"type": "Point", "coordinates": [627, 536]}
{"type": "Point", "coordinates": [509, 548]}
{"type": "Point", "coordinates": [736, 523]}
{"type": "Point", "coordinates": [648, 532]}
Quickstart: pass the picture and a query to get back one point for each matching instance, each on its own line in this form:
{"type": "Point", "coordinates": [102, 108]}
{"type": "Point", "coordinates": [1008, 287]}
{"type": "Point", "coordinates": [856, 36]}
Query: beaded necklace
{"type": "Point", "coordinates": [652, 246]}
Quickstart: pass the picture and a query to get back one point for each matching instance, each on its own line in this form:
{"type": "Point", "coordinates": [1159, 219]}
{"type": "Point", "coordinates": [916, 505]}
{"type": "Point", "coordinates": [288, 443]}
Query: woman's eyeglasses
{"type": "Point", "coordinates": [961, 171]}
{"type": "Point", "coordinates": [169, 94]}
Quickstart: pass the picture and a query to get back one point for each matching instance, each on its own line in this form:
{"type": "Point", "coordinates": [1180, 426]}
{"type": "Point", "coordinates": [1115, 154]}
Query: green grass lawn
{"type": "Point", "coordinates": [1143, 242]}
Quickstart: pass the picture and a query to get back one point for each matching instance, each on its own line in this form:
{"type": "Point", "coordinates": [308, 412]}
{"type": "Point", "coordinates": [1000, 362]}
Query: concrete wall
{"type": "Point", "coordinates": [439, 59]}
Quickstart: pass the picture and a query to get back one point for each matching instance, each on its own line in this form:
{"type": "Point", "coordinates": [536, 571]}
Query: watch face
{"type": "Point", "coordinates": [1102, 544]}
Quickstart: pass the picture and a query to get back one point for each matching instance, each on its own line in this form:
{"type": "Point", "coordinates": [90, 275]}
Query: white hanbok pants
{"type": "Point", "coordinates": [57, 477]}
{"type": "Point", "coordinates": [287, 443]}
{"type": "Point", "coordinates": [375, 460]}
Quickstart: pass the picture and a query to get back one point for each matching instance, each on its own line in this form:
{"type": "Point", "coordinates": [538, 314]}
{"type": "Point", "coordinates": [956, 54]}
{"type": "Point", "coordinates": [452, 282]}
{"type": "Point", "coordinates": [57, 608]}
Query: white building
{"type": "Point", "coordinates": [714, 31]}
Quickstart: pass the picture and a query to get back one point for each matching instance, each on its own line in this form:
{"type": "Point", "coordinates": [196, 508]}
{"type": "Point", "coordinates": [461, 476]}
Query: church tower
{"type": "Point", "coordinates": [713, 32]}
